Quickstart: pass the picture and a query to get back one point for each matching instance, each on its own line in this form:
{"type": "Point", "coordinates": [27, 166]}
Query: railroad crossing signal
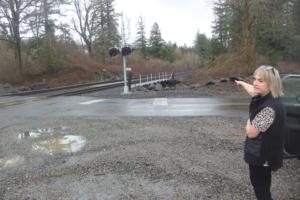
{"type": "Point", "coordinates": [113, 51]}
{"type": "Point", "coordinates": [124, 51]}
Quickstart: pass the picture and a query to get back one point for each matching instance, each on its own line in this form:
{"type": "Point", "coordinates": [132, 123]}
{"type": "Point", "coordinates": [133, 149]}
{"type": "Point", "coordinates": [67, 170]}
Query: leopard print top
{"type": "Point", "coordinates": [264, 119]}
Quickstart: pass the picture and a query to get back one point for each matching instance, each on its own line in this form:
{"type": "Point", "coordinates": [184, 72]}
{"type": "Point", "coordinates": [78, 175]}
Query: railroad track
{"type": "Point", "coordinates": [68, 89]}
{"type": "Point", "coordinates": [83, 88]}
{"type": "Point", "coordinates": [86, 89]}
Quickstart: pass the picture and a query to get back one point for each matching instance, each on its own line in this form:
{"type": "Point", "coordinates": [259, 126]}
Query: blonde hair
{"type": "Point", "coordinates": [271, 75]}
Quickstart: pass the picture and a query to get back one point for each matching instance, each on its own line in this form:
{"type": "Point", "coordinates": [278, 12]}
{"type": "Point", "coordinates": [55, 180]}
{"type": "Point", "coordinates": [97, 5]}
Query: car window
{"type": "Point", "coordinates": [291, 86]}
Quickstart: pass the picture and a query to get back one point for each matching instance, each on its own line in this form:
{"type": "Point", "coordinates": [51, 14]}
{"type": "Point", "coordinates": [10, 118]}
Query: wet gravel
{"type": "Point", "coordinates": [138, 158]}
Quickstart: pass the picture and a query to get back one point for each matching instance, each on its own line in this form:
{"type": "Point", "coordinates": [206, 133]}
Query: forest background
{"type": "Point", "coordinates": [35, 45]}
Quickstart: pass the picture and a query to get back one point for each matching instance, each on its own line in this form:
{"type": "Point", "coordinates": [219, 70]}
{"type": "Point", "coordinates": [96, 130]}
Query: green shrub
{"type": "Point", "coordinates": [48, 57]}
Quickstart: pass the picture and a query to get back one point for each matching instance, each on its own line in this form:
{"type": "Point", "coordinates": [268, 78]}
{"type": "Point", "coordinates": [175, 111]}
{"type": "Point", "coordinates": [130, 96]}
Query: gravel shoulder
{"type": "Point", "coordinates": [139, 158]}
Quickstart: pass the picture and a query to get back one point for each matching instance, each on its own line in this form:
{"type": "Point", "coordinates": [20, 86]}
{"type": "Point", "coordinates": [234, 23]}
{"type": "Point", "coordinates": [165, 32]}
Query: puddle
{"type": "Point", "coordinates": [38, 132]}
{"type": "Point", "coordinates": [29, 134]}
{"type": "Point", "coordinates": [11, 162]}
{"type": "Point", "coordinates": [65, 144]}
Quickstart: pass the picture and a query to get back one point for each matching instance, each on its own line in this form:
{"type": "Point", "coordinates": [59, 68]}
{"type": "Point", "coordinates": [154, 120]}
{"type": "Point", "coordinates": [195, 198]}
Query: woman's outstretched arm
{"type": "Point", "coordinates": [248, 87]}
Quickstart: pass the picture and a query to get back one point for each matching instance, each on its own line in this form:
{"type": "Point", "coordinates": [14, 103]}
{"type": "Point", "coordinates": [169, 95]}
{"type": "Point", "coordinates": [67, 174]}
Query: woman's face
{"type": "Point", "coordinates": [261, 87]}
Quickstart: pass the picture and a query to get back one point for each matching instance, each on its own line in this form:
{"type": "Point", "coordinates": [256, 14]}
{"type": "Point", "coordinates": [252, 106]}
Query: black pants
{"type": "Point", "coordinates": [260, 178]}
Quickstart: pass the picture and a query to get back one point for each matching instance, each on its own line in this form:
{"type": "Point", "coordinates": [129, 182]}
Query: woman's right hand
{"type": "Point", "coordinates": [246, 86]}
{"type": "Point", "coordinates": [239, 83]}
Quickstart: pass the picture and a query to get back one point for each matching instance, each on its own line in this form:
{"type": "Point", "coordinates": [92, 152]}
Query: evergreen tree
{"type": "Point", "coordinates": [97, 25]}
{"type": "Point", "coordinates": [295, 10]}
{"type": "Point", "coordinates": [107, 35]}
{"type": "Point", "coordinates": [216, 47]}
{"type": "Point", "coordinates": [221, 24]}
{"type": "Point", "coordinates": [292, 45]}
{"type": "Point", "coordinates": [155, 41]}
{"type": "Point", "coordinates": [167, 52]}
{"type": "Point", "coordinates": [43, 20]}
{"type": "Point", "coordinates": [141, 41]}
{"type": "Point", "coordinates": [271, 27]}
{"type": "Point", "coordinates": [202, 46]}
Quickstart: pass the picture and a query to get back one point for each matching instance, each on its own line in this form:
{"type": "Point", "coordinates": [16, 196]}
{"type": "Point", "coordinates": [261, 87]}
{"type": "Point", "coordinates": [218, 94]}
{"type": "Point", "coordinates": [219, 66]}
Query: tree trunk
{"type": "Point", "coordinates": [248, 49]}
{"type": "Point", "coordinates": [19, 57]}
{"type": "Point", "coordinates": [18, 52]}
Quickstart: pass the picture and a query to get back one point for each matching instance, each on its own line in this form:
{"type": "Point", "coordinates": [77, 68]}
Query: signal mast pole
{"type": "Point", "coordinates": [126, 89]}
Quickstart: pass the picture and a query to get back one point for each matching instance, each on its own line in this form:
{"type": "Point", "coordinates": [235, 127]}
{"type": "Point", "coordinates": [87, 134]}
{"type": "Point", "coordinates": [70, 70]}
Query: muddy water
{"type": "Point", "coordinates": [64, 144]}
{"type": "Point", "coordinates": [45, 140]}
{"type": "Point", "coordinates": [58, 141]}
{"type": "Point", "coordinates": [36, 133]}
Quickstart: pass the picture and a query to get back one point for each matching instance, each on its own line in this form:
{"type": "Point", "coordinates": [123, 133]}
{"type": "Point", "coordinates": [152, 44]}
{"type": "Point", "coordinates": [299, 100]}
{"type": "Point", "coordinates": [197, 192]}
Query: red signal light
{"type": "Point", "coordinates": [126, 51]}
{"type": "Point", "coordinates": [113, 51]}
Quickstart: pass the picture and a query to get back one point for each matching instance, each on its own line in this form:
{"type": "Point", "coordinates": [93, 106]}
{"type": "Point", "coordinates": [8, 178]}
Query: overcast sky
{"type": "Point", "coordinates": [179, 20]}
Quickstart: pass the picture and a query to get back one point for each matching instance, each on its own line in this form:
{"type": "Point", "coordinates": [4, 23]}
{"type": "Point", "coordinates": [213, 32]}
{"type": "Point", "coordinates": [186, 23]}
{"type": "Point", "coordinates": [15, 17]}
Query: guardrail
{"type": "Point", "coordinates": [152, 78]}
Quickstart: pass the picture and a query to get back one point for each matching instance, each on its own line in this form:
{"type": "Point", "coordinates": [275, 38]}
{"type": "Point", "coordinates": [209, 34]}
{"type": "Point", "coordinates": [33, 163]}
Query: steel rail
{"type": "Point", "coordinates": [88, 89]}
{"type": "Point", "coordinates": [77, 89]}
{"type": "Point", "coordinates": [59, 88]}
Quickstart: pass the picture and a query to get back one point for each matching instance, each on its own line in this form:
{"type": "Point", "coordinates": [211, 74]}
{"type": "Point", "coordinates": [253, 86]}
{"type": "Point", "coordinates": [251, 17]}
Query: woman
{"type": "Point", "coordinates": [264, 128]}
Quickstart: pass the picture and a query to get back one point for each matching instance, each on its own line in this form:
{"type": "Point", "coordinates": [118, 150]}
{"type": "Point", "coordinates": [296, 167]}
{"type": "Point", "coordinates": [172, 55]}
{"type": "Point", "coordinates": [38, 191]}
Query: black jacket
{"type": "Point", "coordinates": [272, 139]}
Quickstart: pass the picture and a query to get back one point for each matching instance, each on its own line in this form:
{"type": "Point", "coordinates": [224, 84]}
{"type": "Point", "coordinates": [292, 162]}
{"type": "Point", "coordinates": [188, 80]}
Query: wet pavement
{"type": "Point", "coordinates": [32, 109]}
